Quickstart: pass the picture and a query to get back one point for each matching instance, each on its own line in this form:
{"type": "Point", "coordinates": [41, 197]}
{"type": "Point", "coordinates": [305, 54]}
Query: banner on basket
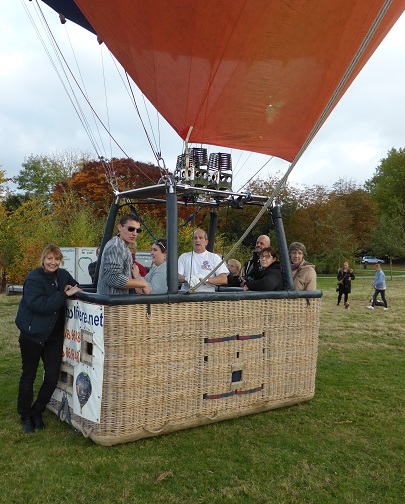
{"type": "Point", "coordinates": [83, 356]}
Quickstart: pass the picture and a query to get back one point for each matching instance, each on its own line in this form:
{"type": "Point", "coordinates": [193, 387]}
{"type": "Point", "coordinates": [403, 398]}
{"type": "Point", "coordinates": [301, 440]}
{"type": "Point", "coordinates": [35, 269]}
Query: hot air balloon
{"type": "Point", "coordinates": [262, 76]}
{"type": "Point", "coordinates": [83, 388]}
{"type": "Point", "coordinates": [257, 75]}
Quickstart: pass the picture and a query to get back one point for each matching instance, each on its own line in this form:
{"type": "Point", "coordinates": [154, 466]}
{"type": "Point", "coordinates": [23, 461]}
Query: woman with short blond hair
{"type": "Point", "coordinates": [41, 319]}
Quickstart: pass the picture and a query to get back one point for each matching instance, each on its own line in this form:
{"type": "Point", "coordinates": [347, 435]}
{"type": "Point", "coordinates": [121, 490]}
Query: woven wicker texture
{"type": "Point", "coordinates": [189, 364]}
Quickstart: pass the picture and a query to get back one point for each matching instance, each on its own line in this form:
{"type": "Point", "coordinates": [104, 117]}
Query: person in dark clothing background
{"type": "Point", "coordinates": [40, 319]}
{"type": "Point", "coordinates": [92, 266]}
{"type": "Point", "coordinates": [345, 276]}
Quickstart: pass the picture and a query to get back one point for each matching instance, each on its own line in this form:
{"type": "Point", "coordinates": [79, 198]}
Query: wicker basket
{"type": "Point", "coordinates": [174, 366]}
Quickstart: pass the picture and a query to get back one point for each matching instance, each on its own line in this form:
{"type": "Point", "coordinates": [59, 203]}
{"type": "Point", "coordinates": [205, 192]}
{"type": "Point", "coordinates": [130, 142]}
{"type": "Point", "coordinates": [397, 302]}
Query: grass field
{"type": "Point", "coordinates": [347, 445]}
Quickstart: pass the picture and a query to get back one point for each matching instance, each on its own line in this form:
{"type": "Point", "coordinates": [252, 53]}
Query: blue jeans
{"type": "Point", "coordinates": [31, 353]}
{"type": "Point", "coordinates": [382, 293]}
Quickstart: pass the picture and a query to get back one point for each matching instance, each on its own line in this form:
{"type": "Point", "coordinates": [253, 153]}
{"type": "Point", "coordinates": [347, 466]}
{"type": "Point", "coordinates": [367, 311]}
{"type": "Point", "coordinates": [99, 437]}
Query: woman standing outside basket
{"type": "Point", "coordinates": [40, 319]}
{"type": "Point", "coordinates": [345, 276]}
{"type": "Point", "coordinates": [379, 287]}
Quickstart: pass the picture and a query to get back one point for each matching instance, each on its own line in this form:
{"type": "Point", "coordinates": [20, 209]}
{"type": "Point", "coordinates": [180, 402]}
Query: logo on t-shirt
{"type": "Point", "coordinates": [206, 266]}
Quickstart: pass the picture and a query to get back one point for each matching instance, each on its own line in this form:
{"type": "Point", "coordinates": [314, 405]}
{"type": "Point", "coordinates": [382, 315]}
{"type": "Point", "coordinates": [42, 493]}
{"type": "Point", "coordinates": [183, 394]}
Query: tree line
{"type": "Point", "coordinates": [65, 199]}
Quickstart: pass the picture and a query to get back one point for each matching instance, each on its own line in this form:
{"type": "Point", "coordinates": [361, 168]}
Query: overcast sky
{"type": "Point", "coordinates": [37, 117]}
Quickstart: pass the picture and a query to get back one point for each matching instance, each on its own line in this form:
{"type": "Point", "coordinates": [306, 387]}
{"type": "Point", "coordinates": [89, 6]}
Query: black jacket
{"type": "Point", "coordinates": [42, 301]}
{"type": "Point", "coordinates": [233, 281]}
{"type": "Point", "coordinates": [92, 270]}
{"type": "Point", "coordinates": [270, 279]}
{"type": "Point", "coordinates": [346, 277]}
{"type": "Point", "coordinates": [252, 268]}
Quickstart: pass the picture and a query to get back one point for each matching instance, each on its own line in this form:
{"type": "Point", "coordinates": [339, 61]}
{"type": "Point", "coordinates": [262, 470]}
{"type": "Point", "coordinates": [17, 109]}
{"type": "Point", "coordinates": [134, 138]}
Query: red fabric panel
{"type": "Point", "coordinates": [254, 74]}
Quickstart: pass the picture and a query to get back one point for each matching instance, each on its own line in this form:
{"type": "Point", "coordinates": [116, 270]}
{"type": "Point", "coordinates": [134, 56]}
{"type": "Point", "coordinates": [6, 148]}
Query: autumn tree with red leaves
{"type": "Point", "coordinates": [93, 185]}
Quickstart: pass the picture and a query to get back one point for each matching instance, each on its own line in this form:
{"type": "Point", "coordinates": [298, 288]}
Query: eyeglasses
{"type": "Point", "coordinates": [131, 229]}
{"type": "Point", "coordinates": [266, 257]}
{"type": "Point", "coordinates": [159, 243]}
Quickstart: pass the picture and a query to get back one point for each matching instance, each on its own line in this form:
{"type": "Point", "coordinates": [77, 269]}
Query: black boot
{"type": "Point", "coordinates": [28, 426]}
{"type": "Point", "coordinates": [36, 419]}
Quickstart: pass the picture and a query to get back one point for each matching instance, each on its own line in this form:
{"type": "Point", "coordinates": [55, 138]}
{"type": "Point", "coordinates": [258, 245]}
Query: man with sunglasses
{"type": "Point", "coordinates": [116, 268]}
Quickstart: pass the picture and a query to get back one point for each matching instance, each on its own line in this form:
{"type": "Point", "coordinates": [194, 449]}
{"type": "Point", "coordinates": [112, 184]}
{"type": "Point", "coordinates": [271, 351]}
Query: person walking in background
{"type": "Point", "coordinates": [41, 319]}
{"type": "Point", "coordinates": [304, 274]}
{"type": "Point", "coordinates": [345, 276]}
{"type": "Point", "coordinates": [379, 287]}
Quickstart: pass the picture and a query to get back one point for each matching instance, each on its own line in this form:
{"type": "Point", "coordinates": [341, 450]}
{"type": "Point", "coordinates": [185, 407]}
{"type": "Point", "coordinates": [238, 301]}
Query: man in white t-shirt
{"type": "Point", "coordinates": [196, 265]}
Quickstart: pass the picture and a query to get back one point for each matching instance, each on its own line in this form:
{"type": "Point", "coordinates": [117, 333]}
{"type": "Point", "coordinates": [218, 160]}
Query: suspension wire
{"type": "Point", "coordinates": [81, 115]}
{"type": "Point", "coordinates": [158, 127]}
{"type": "Point", "coordinates": [311, 135]}
{"type": "Point", "coordinates": [131, 206]}
{"type": "Point", "coordinates": [106, 100]}
{"type": "Point", "coordinates": [112, 176]}
{"type": "Point", "coordinates": [83, 84]}
{"type": "Point", "coordinates": [111, 179]}
{"type": "Point", "coordinates": [226, 223]}
{"type": "Point", "coordinates": [80, 89]}
{"type": "Point", "coordinates": [189, 219]}
{"type": "Point", "coordinates": [157, 156]}
{"type": "Point", "coordinates": [253, 176]}
{"type": "Point", "coordinates": [130, 94]}
{"type": "Point", "coordinates": [76, 106]}
{"type": "Point", "coordinates": [157, 146]}
{"type": "Point", "coordinates": [243, 164]}
{"type": "Point", "coordinates": [108, 166]}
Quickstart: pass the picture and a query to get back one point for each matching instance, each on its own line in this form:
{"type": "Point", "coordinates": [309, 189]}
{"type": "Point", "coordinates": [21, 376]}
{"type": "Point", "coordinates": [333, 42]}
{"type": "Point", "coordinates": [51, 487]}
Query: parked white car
{"type": "Point", "coordinates": [371, 260]}
{"type": "Point", "coordinates": [145, 259]}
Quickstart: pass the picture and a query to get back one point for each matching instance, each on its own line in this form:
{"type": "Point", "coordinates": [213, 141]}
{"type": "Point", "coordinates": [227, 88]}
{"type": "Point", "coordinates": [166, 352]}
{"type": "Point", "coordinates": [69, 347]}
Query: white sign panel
{"type": "Point", "coordinates": [69, 260]}
{"type": "Point", "coordinates": [84, 256]}
{"type": "Point", "coordinates": [83, 352]}
{"type": "Point", "coordinates": [77, 260]}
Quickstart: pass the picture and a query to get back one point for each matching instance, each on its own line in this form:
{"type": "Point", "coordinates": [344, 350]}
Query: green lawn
{"type": "Point", "coordinates": [347, 445]}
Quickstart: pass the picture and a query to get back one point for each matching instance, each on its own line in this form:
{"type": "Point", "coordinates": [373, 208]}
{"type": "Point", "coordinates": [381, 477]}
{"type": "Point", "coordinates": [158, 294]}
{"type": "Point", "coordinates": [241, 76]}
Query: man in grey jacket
{"type": "Point", "coordinates": [116, 268]}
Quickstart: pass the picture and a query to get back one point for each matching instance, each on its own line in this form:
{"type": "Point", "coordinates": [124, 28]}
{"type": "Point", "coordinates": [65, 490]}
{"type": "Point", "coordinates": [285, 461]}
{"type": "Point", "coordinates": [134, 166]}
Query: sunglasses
{"type": "Point", "coordinates": [131, 229]}
{"type": "Point", "coordinates": [159, 243]}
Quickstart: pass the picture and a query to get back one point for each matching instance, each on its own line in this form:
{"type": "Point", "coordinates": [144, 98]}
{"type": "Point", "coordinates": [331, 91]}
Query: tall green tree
{"type": "Point", "coordinates": [2, 183]}
{"type": "Point", "coordinates": [387, 186]}
{"type": "Point", "coordinates": [40, 173]}
{"type": "Point", "coordinates": [359, 213]}
{"type": "Point", "coordinates": [389, 237]}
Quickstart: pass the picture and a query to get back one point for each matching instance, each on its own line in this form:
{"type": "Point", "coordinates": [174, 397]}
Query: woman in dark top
{"type": "Point", "coordinates": [345, 276]}
{"type": "Point", "coordinates": [40, 319]}
{"type": "Point", "coordinates": [270, 275]}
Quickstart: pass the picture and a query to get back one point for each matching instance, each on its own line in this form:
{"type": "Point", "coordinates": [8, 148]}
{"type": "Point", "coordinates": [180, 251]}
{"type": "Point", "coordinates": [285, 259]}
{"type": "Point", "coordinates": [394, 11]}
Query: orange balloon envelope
{"type": "Point", "coordinates": [254, 75]}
